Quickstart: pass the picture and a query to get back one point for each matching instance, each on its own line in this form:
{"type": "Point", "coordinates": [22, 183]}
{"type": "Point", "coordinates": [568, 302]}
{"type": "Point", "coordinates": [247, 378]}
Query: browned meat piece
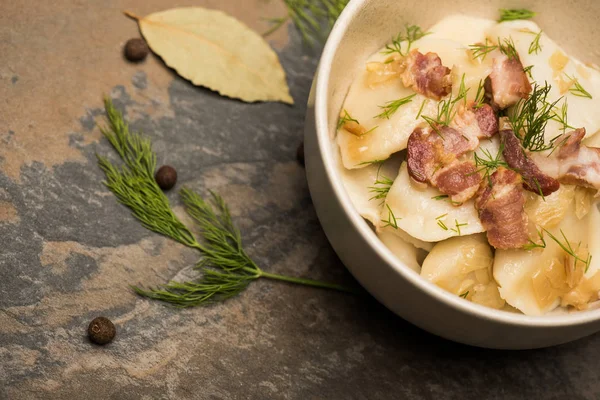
{"type": "Point", "coordinates": [487, 120]}
{"type": "Point", "coordinates": [501, 210]}
{"type": "Point", "coordinates": [508, 82]}
{"type": "Point", "coordinates": [534, 180]}
{"type": "Point", "coordinates": [475, 123]}
{"type": "Point", "coordinates": [573, 163]}
{"type": "Point", "coordinates": [426, 75]}
{"type": "Point", "coordinates": [432, 158]}
{"type": "Point", "coordinates": [459, 180]}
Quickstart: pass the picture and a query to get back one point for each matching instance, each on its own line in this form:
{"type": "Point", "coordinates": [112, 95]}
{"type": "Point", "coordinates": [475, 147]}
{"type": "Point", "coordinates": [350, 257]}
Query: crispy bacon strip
{"type": "Point", "coordinates": [534, 179]}
{"type": "Point", "coordinates": [501, 210]}
{"type": "Point", "coordinates": [573, 163]}
{"type": "Point", "coordinates": [432, 158]}
{"type": "Point", "coordinates": [508, 82]}
{"type": "Point", "coordinates": [426, 75]}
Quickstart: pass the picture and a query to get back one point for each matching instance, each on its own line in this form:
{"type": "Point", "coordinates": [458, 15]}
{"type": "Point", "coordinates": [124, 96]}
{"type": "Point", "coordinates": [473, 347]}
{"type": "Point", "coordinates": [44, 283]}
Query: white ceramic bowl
{"type": "Point", "coordinates": [363, 28]}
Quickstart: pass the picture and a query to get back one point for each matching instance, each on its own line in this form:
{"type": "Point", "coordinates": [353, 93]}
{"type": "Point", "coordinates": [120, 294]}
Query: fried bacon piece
{"type": "Point", "coordinates": [534, 179]}
{"type": "Point", "coordinates": [476, 123]}
{"type": "Point", "coordinates": [501, 209]}
{"type": "Point", "coordinates": [573, 163]}
{"type": "Point", "coordinates": [426, 75]}
{"type": "Point", "coordinates": [508, 82]}
{"type": "Point", "coordinates": [432, 158]}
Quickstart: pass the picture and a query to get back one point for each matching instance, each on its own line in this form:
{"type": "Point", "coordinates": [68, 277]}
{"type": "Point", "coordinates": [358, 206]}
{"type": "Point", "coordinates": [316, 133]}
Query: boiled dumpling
{"type": "Point", "coordinates": [405, 252]}
{"type": "Point", "coordinates": [419, 214]}
{"type": "Point", "coordinates": [463, 266]}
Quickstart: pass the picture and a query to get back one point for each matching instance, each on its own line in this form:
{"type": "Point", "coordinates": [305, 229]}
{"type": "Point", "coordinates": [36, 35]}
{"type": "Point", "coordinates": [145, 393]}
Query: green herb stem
{"type": "Point", "coordinates": [515, 14]}
{"type": "Point", "coordinates": [307, 282]}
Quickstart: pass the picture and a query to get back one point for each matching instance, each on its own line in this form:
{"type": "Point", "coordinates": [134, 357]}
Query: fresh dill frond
{"type": "Point", "coordinates": [464, 295]}
{"type": "Point", "coordinates": [480, 95]}
{"type": "Point", "coordinates": [462, 91]}
{"type": "Point", "coordinates": [446, 111]}
{"type": "Point", "coordinates": [134, 185]}
{"type": "Point", "coordinates": [421, 109]}
{"type": "Point", "coordinates": [568, 248]}
{"type": "Point", "coordinates": [458, 226]}
{"type": "Point", "coordinates": [345, 118]}
{"type": "Point", "coordinates": [391, 107]}
{"type": "Point", "coordinates": [489, 163]}
{"type": "Point", "coordinates": [507, 47]}
{"type": "Point", "coordinates": [527, 70]}
{"type": "Point", "coordinates": [381, 187]}
{"type": "Point", "coordinates": [535, 46]}
{"type": "Point", "coordinates": [391, 220]}
{"type": "Point", "coordinates": [562, 117]}
{"type": "Point", "coordinates": [226, 269]}
{"type": "Point", "coordinates": [530, 116]}
{"type": "Point", "coordinates": [313, 18]}
{"type": "Point", "coordinates": [370, 162]}
{"type": "Point", "coordinates": [402, 43]}
{"type": "Point", "coordinates": [577, 89]}
{"type": "Point", "coordinates": [481, 50]}
{"type": "Point", "coordinates": [533, 245]}
{"type": "Point", "coordinates": [514, 14]}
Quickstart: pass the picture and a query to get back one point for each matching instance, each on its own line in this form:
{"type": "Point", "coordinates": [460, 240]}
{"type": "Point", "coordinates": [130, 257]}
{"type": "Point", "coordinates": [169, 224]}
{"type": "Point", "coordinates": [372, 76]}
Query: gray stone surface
{"type": "Point", "coordinates": [69, 250]}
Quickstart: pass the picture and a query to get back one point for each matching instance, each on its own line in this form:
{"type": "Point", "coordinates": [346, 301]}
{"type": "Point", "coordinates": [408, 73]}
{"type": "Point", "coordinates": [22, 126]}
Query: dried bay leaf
{"type": "Point", "coordinates": [215, 50]}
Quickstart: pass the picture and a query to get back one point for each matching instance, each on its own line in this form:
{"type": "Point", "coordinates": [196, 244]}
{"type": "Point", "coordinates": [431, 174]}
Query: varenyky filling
{"type": "Point", "coordinates": [470, 147]}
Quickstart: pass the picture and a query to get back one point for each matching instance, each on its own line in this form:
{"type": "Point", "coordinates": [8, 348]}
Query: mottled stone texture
{"type": "Point", "coordinates": [69, 251]}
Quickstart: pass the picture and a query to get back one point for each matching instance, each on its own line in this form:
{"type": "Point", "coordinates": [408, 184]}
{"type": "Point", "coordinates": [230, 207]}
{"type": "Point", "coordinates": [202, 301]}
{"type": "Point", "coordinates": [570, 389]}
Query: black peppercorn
{"type": "Point", "coordinates": [136, 49]}
{"type": "Point", "coordinates": [166, 177]}
{"type": "Point", "coordinates": [101, 330]}
{"type": "Point", "coordinates": [300, 154]}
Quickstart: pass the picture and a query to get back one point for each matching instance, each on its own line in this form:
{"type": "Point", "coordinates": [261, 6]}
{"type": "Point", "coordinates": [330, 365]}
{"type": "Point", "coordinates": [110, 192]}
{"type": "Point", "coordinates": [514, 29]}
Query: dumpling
{"type": "Point", "coordinates": [552, 65]}
{"type": "Point", "coordinates": [463, 266]}
{"type": "Point", "coordinates": [421, 215]}
{"type": "Point", "coordinates": [405, 252]}
{"type": "Point", "coordinates": [535, 281]}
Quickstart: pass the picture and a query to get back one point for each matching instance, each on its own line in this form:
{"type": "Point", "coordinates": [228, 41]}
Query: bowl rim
{"type": "Point", "coordinates": [324, 144]}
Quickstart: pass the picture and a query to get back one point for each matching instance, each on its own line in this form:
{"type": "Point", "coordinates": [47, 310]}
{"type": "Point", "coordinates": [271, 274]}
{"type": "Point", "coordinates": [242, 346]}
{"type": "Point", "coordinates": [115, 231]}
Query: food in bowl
{"type": "Point", "coordinates": [470, 148]}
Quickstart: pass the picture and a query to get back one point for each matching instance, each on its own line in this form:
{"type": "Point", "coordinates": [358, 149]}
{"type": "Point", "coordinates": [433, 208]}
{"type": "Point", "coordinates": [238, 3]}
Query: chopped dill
{"type": "Point", "coordinates": [480, 95]}
{"type": "Point", "coordinates": [441, 223]}
{"type": "Point", "coordinates": [462, 91]}
{"type": "Point", "coordinates": [535, 46]}
{"type": "Point", "coordinates": [488, 163]}
{"type": "Point", "coordinates": [533, 245]}
{"type": "Point", "coordinates": [482, 49]}
{"type": "Point", "coordinates": [527, 70]}
{"type": "Point", "coordinates": [413, 33]}
{"type": "Point", "coordinates": [562, 117]}
{"type": "Point", "coordinates": [381, 187]}
{"type": "Point", "coordinates": [370, 162]}
{"type": "Point", "coordinates": [567, 248]}
{"type": "Point", "coordinates": [345, 118]}
{"type": "Point", "coordinates": [514, 14]}
{"type": "Point", "coordinates": [457, 225]}
{"type": "Point", "coordinates": [421, 109]}
{"type": "Point", "coordinates": [464, 295]}
{"type": "Point", "coordinates": [391, 107]}
{"type": "Point", "coordinates": [577, 89]}
{"type": "Point", "coordinates": [530, 116]}
{"type": "Point", "coordinates": [507, 47]}
{"type": "Point", "coordinates": [447, 198]}
{"type": "Point", "coordinates": [392, 220]}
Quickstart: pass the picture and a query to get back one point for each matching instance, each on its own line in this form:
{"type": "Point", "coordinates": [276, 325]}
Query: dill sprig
{"type": "Point", "coordinates": [489, 163]}
{"type": "Point", "coordinates": [514, 14]}
{"type": "Point", "coordinates": [530, 116]}
{"type": "Point", "coordinates": [568, 248]}
{"type": "Point", "coordinates": [577, 89]}
{"type": "Point", "coordinates": [458, 226]}
{"type": "Point", "coordinates": [345, 118]}
{"type": "Point", "coordinates": [507, 47]}
{"type": "Point", "coordinates": [391, 220]}
{"type": "Point", "coordinates": [391, 107]}
{"type": "Point", "coordinates": [535, 46]}
{"type": "Point", "coordinates": [527, 70]}
{"type": "Point", "coordinates": [562, 117]}
{"type": "Point", "coordinates": [134, 184]}
{"type": "Point", "coordinates": [413, 33]}
{"type": "Point", "coordinates": [480, 95]}
{"type": "Point", "coordinates": [482, 49]}
{"type": "Point", "coordinates": [313, 18]}
{"type": "Point", "coordinates": [226, 269]}
{"type": "Point", "coordinates": [534, 245]}
{"type": "Point", "coordinates": [464, 295]}
{"type": "Point", "coordinates": [421, 109]}
{"type": "Point", "coordinates": [441, 223]}
{"type": "Point", "coordinates": [381, 187]}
